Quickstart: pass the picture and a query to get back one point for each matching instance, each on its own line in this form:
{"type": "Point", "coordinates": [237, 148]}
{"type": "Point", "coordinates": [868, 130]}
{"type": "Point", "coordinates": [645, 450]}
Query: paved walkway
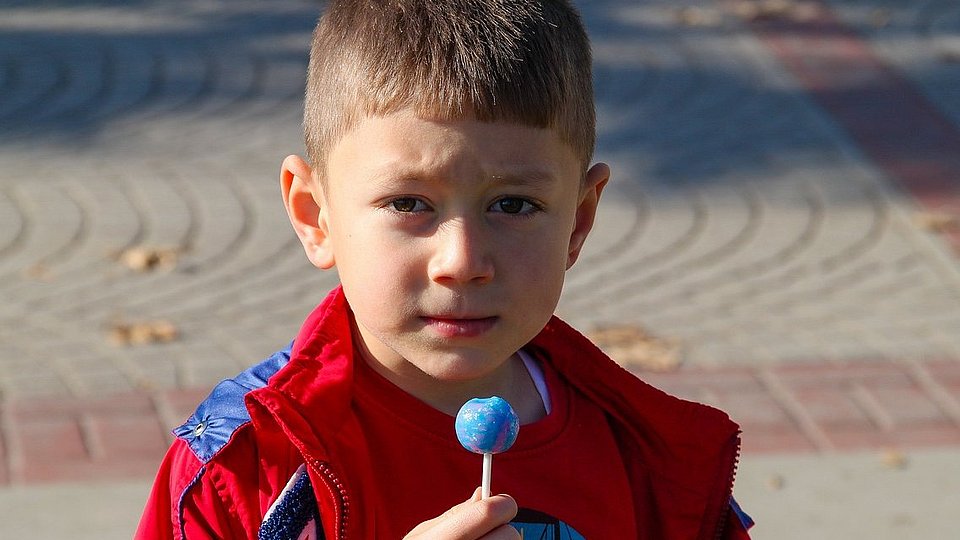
{"type": "Point", "coordinates": [784, 218]}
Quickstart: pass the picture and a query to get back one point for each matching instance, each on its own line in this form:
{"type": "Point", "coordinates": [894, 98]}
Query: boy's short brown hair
{"type": "Point", "coordinates": [524, 61]}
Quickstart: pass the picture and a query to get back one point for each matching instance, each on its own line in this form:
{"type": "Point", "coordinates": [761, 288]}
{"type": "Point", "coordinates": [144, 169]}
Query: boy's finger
{"type": "Point", "coordinates": [473, 498]}
{"type": "Point", "coordinates": [476, 518]}
{"type": "Point", "coordinates": [503, 532]}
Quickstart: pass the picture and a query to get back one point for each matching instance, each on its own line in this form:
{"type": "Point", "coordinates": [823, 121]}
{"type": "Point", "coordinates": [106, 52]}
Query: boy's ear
{"type": "Point", "coordinates": [306, 208]}
{"type": "Point", "coordinates": [596, 180]}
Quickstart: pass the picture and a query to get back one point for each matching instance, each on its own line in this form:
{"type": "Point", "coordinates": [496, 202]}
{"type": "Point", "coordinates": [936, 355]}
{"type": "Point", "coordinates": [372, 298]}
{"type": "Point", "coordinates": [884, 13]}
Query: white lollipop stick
{"type": "Point", "coordinates": [487, 472]}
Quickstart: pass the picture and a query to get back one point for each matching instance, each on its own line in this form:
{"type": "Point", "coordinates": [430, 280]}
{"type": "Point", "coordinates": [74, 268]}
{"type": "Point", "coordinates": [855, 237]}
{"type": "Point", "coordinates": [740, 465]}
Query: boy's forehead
{"type": "Point", "coordinates": [404, 139]}
{"type": "Point", "coordinates": [392, 148]}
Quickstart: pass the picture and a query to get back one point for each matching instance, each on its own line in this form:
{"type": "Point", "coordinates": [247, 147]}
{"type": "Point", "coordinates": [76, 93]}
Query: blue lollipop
{"type": "Point", "coordinates": [487, 426]}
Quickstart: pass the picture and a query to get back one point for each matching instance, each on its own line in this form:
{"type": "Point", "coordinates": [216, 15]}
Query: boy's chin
{"type": "Point", "coordinates": [461, 369]}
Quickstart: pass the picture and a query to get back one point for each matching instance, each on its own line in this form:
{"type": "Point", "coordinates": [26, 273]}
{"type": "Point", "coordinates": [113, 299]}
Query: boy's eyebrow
{"type": "Point", "coordinates": [529, 177]}
{"type": "Point", "coordinates": [526, 177]}
{"type": "Point", "coordinates": [390, 176]}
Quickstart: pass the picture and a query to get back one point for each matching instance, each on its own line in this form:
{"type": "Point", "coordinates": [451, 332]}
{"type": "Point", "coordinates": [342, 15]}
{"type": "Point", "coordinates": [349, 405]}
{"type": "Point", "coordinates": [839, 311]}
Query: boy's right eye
{"type": "Point", "coordinates": [408, 204]}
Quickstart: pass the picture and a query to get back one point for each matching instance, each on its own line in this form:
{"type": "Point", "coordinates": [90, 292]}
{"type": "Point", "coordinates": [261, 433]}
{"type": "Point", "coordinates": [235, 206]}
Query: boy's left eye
{"type": "Point", "coordinates": [407, 205]}
{"type": "Point", "coordinates": [514, 205]}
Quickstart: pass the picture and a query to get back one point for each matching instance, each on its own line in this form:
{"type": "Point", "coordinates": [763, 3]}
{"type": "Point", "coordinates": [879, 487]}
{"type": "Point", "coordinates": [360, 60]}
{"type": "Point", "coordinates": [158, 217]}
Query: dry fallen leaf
{"type": "Point", "coordinates": [143, 333]}
{"type": "Point", "coordinates": [632, 347]}
{"type": "Point", "coordinates": [937, 222]}
{"type": "Point", "coordinates": [145, 259]}
{"type": "Point", "coordinates": [892, 458]}
{"type": "Point", "coordinates": [880, 18]}
{"type": "Point", "coordinates": [38, 272]}
{"type": "Point", "coordinates": [698, 16]}
{"type": "Point", "coordinates": [775, 482]}
{"type": "Point", "coordinates": [757, 10]}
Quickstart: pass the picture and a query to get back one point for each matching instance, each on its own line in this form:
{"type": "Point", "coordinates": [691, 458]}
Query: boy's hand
{"type": "Point", "coordinates": [472, 519]}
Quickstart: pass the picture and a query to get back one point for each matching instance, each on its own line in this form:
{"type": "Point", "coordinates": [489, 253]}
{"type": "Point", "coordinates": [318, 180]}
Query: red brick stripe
{"type": "Point", "coordinates": [884, 114]}
{"type": "Point", "coordinates": [807, 407]}
{"type": "Point", "coordinates": [823, 406]}
{"type": "Point", "coordinates": [116, 437]}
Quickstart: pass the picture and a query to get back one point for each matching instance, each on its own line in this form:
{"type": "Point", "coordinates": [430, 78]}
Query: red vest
{"type": "Point", "coordinates": [677, 458]}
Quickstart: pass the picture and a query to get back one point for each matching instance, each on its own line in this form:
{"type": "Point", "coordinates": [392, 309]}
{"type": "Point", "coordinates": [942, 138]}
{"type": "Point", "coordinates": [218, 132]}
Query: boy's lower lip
{"type": "Point", "coordinates": [451, 328]}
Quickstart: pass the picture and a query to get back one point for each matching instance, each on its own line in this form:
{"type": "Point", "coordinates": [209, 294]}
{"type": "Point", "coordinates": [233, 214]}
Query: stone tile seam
{"type": "Point", "coordinates": [795, 409]}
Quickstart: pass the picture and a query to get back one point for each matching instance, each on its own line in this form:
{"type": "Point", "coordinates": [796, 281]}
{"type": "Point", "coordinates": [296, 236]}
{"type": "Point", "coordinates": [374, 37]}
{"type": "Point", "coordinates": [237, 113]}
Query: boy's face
{"type": "Point", "coordinates": [451, 238]}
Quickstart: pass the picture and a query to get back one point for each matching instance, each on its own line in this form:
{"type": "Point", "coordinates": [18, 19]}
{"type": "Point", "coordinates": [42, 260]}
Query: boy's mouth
{"type": "Point", "coordinates": [451, 327]}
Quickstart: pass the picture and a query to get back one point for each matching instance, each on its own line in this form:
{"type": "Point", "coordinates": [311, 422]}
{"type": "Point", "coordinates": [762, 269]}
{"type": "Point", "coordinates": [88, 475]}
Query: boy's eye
{"type": "Point", "coordinates": [513, 205]}
{"type": "Point", "coordinates": [407, 204]}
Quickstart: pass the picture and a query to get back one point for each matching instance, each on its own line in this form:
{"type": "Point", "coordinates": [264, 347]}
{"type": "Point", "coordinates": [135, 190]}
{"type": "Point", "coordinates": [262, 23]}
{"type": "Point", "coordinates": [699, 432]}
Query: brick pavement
{"type": "Point", "coordinates": [813, 407]}
{"type": "Point", "coordinates": [920, 148]}
{"type": "Point", "coordinates": [783, 204]}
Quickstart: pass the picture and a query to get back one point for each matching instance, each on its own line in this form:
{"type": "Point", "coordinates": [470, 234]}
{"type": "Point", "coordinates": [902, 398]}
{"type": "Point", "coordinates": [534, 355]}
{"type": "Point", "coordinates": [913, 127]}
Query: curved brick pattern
{"type": "Point", "coordinates": [756, 216]}
{"type": "Point", "coordinates": [827, 407]}
{"type": "Point", "coordinates": [751, 230]}
{"type": "Point", "coordinates": [919, 147]}
{"type": "Point", "coordinates": [158, 127]}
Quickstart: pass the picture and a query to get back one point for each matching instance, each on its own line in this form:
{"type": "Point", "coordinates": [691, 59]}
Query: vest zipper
{"type": "Point", "coordinates": [342, 499]}
{"type": "Point", "coordinates": [728, 493]}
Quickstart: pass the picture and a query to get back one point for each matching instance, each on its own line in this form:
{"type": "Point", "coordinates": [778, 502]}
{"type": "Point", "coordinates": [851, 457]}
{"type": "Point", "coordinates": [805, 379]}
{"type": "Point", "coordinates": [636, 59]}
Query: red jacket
{"type": "Point", "coordinates": [234, 456]}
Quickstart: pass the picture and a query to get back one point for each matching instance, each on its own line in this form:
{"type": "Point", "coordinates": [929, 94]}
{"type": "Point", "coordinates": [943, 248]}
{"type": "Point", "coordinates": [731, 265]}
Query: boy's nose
{"type": "Point", "coordinates": [460, 257]}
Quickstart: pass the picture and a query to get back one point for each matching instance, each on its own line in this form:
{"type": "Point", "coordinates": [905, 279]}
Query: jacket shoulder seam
{"type": "Point", "coordinates": [218, 417]}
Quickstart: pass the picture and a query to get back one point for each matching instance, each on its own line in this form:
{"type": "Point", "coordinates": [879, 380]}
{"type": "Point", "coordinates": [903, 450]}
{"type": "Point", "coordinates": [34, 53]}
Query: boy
{"type": "Point", "coordinates": [448, 183]}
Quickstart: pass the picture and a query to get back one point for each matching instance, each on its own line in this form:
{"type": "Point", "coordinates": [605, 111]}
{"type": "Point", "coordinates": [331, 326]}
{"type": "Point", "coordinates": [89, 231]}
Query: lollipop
{"type": "Point", "coordinates": [487, 426]}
